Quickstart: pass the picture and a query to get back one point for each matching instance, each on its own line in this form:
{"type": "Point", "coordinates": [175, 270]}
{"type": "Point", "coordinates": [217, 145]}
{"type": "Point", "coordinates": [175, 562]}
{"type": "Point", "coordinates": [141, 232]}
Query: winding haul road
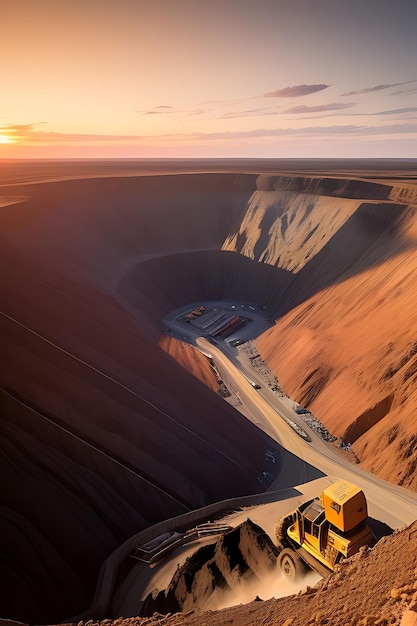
{"type": "Point", "coordinates": [303, 469]}
{"type": "Point", "coordinates": [389, 503]}
{"type": "Point", "coordinates": [307, 467]}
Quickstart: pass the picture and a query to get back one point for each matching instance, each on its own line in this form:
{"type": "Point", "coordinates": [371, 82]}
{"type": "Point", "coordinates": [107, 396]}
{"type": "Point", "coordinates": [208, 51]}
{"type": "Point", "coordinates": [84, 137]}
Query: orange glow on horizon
{"type": "Point", "coordinates": [5, 139]}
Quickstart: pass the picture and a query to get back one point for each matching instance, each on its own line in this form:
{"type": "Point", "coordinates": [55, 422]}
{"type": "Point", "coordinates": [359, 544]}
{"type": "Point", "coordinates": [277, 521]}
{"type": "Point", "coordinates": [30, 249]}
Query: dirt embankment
{"type": "Point", "coordinates": [217, 572]}
{"type": "Point", "coordinates": [352, 187]}
{"type": "Point", "coordinates": [376, 587]}
{"type": "Point", "coordinates": [349, 355]}
{"type": "Point", "coordinates": [343, 344]}
{"type": "Point", "coordinates": [192, 360]}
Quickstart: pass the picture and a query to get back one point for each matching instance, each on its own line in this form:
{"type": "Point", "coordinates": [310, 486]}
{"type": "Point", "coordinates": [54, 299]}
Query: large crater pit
{"type": "Point", "coordinates": [103, 432]}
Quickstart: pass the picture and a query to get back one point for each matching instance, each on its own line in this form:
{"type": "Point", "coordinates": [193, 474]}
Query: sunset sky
{"type": "Point", "coordinates": [208, 78]}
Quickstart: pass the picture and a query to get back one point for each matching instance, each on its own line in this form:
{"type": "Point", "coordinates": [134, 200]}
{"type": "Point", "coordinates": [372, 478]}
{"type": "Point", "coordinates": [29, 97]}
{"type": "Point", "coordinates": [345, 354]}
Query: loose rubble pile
{"type": "Point", "coordinates": [217, 569]}
{"type": "Point", "coordinates": [259, 366]}
{"type": "Point", "coordinates": [376, 587]}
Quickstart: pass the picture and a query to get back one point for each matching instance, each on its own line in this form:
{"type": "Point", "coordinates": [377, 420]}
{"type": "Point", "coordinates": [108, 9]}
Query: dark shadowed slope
{"type": "Point", "coordinates": [94, 399]}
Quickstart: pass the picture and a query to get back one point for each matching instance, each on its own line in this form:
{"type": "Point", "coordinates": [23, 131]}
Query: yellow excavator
{"type": "Point", "coordinates": [324, 531]}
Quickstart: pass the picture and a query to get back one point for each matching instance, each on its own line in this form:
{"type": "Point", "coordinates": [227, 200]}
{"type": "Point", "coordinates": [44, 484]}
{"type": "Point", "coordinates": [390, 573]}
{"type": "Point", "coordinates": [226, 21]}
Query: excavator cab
{"type": "Point", "coordinates": [310, 527]}
{"type": "Point", "coordinates": [315, 526]}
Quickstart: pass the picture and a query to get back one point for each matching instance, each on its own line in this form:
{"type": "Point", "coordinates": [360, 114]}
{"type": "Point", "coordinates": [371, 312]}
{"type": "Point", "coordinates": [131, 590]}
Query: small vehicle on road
{"type": "Point", "coordinates": [300, 410]}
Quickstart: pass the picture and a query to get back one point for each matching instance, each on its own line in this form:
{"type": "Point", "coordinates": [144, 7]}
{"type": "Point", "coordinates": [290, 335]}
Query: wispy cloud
{"type": "Point", "coordinates": [195, 112]}
{"type": "Point", "coordinates": [376, 88]}
{"type": "Point", "coordinates": [28, 135]}
{"type": "Point", "coordinates": [307, 131]}
{"type": "Point", "coordinates": [13, 129]}
{"type": "Point", "coordinates": [162, 109]}
{"type": "Point", "coordinates": [397, 111]}
{"type": "Point", "coordinates": [405, 92]}
{"type": "Point", "coordinates": [247, 113]}
{"type": "Point", "coordinates": [296, 91]}
{"type": "Point", "coordinates": [403, 111]}
{"type": "Point", "coordinates": [168, 110]}
{"type": "Point", "coordinates": [321, 108]}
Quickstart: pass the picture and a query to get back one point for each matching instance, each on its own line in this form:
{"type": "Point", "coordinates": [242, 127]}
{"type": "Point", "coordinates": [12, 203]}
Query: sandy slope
{"type": "Point", "coordinates": [348, 348]}
{"type": "Point", "coordinates": [344, 340]}
{"type": "Point", "coordinates": [192, 360]}
{"type": "Point", "coordinates": [375, 587]}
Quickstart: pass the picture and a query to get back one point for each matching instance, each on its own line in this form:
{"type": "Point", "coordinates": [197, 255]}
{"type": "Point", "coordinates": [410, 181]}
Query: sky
{"type": "Point", "coordinates": [208, 78]}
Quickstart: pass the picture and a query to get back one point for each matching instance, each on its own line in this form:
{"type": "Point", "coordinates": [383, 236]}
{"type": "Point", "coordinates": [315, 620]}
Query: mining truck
{"type": "Point", "coordinates": [324, 531]}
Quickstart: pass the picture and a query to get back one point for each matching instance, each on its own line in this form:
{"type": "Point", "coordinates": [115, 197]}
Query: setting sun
{"type": "Point", "coordinates": [5, 139]}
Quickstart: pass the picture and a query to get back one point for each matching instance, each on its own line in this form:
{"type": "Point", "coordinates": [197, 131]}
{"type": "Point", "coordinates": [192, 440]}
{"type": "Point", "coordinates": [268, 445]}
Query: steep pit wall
{"type": "Point", "coordinates": [337, 187]}
{"type": "Point", "coordinates": [287, 229]}
{"type": "Point", "coordinates": [322, 248]}
{"type": "Point", "coordinates": [121, 415]}
{"type": "Point", "coordinates": [344, 337]}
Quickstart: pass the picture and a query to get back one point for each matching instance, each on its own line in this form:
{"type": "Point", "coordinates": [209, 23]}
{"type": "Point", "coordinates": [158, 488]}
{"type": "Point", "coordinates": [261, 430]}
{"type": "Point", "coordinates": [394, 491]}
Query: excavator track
{"type": "Point", "coordinates": [281, 531]}
{"type": "Point", "coordinates": [313, 563]}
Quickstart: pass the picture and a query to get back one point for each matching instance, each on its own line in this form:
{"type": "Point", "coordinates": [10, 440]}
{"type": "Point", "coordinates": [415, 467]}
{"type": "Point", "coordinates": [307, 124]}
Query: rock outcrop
{"type": "Point", "coordinates": [221, 568]}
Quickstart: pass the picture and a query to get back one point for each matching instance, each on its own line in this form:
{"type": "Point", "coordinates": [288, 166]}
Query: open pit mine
{"type": "Point", "coordinates": [158, 320]}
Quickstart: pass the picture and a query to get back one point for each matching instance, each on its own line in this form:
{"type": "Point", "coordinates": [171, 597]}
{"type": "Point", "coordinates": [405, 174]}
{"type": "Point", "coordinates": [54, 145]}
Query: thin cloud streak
{"type": "Point", "coordinates": [402, 111]}
{"type": "Point", "coordinates": [248, 113]}
{"type": "Point", "coordinates": [295, 91]}
{"type": "Point", "coordinates": [376, 88]}
{"type": "Point", "coordinates": [397, 111]}
{"type": "Point", "coordinates": [171, 111]}
{"type": "Point", "coordinates": [405, 92]}
{"type": "Point", "coordinates": [29, 136]}
{"type": "Point", "coordinates": [18, 128]}
{"type": "Point", "coordinates": [321, 108]}
{"type": "Point", "coordinates": [309, 131]}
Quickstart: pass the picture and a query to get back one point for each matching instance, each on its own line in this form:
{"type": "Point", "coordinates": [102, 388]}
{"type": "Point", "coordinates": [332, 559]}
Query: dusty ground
{"type": "Point", "coordinates": [217, 571]}
{"type": "Point", "coordinates": [375, 587]}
